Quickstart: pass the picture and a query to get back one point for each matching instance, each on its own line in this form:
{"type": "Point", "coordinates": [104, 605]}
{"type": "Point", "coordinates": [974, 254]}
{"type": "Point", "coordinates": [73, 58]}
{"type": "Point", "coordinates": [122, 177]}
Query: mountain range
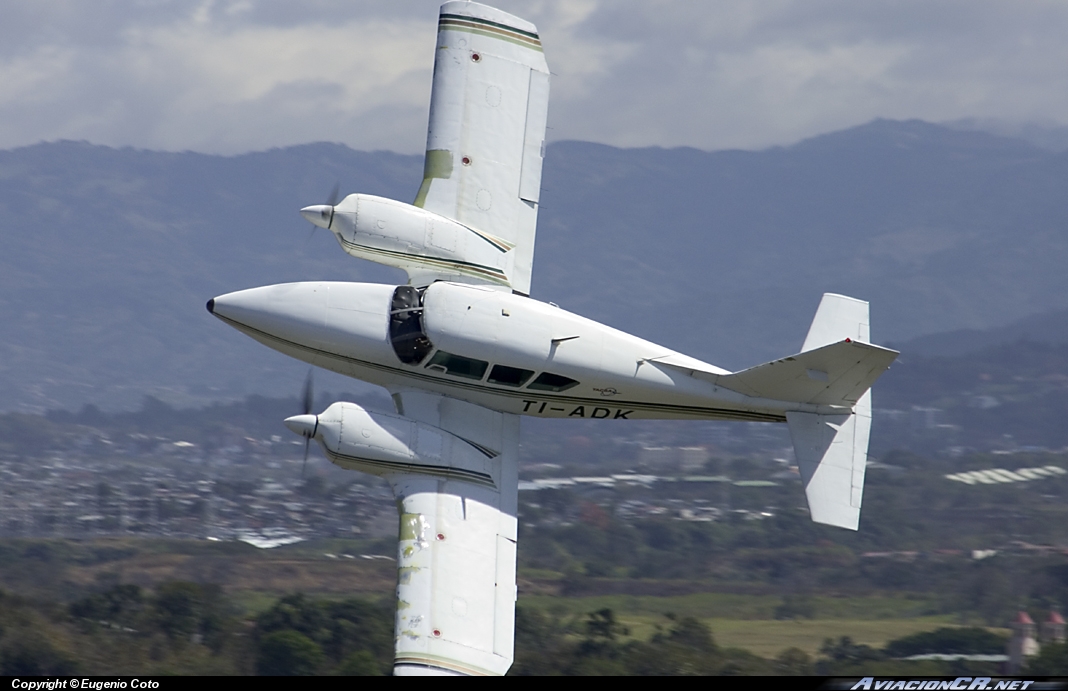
{"type": "Point", "coordinates": [107, 256]}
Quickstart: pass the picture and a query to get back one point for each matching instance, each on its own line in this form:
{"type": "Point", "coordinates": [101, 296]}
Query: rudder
{"type": "Point", "coordinates": [832, 454]}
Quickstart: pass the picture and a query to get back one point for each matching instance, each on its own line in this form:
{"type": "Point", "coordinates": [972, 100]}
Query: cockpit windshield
{"type": "Point", "coordinates": [406, 332]}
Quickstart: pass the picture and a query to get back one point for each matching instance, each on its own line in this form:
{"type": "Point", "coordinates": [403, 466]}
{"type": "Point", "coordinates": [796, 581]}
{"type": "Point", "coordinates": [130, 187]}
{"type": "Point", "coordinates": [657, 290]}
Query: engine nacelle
{"type": "Point", "coordinates": [387, 444]}
{"type": "Point", "coordinates": [414, 239]}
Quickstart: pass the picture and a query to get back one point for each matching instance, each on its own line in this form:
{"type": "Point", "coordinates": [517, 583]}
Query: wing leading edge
{"type": "Point", "coordinates": [485, 141]}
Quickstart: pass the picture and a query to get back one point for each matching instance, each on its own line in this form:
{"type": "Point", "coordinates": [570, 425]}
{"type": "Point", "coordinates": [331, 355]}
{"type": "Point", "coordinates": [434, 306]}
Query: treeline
{"type": "Point", "coordinates": [188, 628]}
{"type": "Point", "coordinates": [193, 629]}
{"type": "Point", "coordinates": [599, 645]}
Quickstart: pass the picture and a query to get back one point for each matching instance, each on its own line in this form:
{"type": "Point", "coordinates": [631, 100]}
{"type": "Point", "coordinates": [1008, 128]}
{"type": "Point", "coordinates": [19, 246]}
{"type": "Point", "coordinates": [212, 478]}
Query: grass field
{"type": "Point", "coordinates": [768, 638]}
{"type": "Point", "coordinates": [747, 621]}
{"type": "Point", "coordinates": [733, 606]}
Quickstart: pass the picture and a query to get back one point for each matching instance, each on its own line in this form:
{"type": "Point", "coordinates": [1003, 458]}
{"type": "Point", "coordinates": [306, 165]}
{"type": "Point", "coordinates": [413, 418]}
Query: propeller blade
{"type": "Point", "coordinates": [309, 394]}
{"type": "Point", "coordinates": [306, 408]}
{"type": "Point", "coordinates": [332, 199]}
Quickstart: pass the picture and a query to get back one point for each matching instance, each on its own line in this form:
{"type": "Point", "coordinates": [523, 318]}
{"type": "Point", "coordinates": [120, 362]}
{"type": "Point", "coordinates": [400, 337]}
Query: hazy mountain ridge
{"type": "Point", "coordinates": [1046, 135]}
{"type": "Point", "coordinates": [108, 255]}
{"type": "Point", "coordinates": [1047, 327]}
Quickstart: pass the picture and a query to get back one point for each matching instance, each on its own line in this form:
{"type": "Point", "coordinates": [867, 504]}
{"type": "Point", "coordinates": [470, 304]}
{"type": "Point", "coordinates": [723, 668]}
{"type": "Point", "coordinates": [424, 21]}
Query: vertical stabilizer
{"type": "Point", "coordinates": [832, 450]}
{"type": "Point", "coordinates": [838, 318]}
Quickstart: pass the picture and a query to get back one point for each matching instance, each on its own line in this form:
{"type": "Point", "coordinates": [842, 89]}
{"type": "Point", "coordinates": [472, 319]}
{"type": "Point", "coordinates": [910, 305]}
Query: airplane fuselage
{"type": "Point", "coordinates": [487, 346]}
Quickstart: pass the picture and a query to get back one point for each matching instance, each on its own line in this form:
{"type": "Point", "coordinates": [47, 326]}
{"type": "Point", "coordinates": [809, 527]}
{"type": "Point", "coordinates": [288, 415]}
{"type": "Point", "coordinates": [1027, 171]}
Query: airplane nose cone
{"type": "Point", "coordinates": [211, 306]}
{"type": "Point", "coordinates": [304, 425]}
{"type": "Point", "coordinates": [294, 312]}
{"type": "Point", "coordinates": [320, 215]}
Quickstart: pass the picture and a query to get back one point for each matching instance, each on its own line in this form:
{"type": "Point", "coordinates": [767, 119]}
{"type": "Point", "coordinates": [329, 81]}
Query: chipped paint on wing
{"type": "Point", "coordinates": [437, 164]}
{"type": "Point", "coordinates": [413, 527]}
{"type": "Point", "coordinates": [404, 574]}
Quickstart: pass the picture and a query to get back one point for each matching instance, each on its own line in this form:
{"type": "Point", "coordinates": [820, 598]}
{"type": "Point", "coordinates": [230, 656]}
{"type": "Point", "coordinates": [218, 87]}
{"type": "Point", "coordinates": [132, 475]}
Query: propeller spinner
{"type": "Point", "coordinates": [322, 215]}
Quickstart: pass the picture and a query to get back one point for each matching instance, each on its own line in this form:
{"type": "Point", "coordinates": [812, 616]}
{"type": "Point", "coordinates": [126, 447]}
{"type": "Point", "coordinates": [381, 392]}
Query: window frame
{"type": "Point", "coordinates": [444, 369]}
{"type": "Point", "coordinates": [528, 372]}
{"type": "Point", "coordinates": [532, 386]}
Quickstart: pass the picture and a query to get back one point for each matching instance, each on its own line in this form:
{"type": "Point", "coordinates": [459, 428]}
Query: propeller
{"type": "Point", "coordinates": [321, 215]}
{"type": "Point", "coordinates": [305, 424]}
{"type": "Point", "coordinates": [308, 402]}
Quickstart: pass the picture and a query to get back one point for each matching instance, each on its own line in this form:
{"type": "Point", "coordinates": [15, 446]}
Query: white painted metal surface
{"type": "Point", "coordinates": [426, 245]}
{"type": "Point", "coordinates": [832, 450]}
{"type": "Point", "coordinates": [486, 135]}
{"type": "Point", "coordinates": [457, 551]}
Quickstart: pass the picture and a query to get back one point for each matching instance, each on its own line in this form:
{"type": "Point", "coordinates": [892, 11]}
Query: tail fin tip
{"type": "Point", "coordinates": [838, 317]}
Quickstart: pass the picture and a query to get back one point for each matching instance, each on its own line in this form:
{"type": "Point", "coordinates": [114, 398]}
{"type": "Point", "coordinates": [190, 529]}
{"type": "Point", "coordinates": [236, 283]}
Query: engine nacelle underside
{"type": "Point", "coordinates": [419, 241]}
{"type": "Point", "coordinates": [387, 444]}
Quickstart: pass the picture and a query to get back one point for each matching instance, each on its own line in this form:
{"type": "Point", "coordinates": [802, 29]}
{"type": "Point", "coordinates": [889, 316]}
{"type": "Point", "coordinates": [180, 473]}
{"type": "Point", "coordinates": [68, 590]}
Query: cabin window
{"type": "Point", "coordinates": [406, 332]}
{"type": "Point", "coordinates": [547, 381]}
{"type": "Point", "coordinates": [509, 376]}
{"type": "Point", "coordinates": [457, 365]}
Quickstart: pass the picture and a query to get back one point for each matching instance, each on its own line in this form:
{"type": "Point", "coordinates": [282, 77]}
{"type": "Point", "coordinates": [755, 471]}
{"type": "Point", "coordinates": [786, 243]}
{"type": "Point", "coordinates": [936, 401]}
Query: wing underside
{"type": "Point", "coordinates": [485, 140]}
{"type": "Point", "coordinates": [456, 556]}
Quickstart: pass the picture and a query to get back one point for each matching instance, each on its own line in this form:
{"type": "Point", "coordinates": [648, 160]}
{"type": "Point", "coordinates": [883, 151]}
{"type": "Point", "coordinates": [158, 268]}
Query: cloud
{"type": "Point", "coordinates": [748, 74]}
{"type": "Point", "coordinates": [227, 76]}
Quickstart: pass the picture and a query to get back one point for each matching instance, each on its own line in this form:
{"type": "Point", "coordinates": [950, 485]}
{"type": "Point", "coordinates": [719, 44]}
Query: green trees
{"type": "Point", "coordinates": [965, 640]}
{"type": "Point", "coordinates": [34, 655]}
{"type": "Point", "coordinates": [28, 646]}
{"type": "Point", "coordinates": [120, 605]}
{"type": "Point", "coordinates": [1052, 660]}
{"type": "Point", "coordinates": [183, 627]}
{"type": "Point", "coordinates": [189, 610]}
{"type": "Point", "coordinates": [299, 636]}
{"type": "Point", "coordinates": [288, 653]}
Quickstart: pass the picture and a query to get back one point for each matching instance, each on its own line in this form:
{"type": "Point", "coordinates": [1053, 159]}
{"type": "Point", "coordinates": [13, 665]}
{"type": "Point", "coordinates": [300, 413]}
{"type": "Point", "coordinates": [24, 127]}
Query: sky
{"type": "Point", "coordinates": [230, 76]}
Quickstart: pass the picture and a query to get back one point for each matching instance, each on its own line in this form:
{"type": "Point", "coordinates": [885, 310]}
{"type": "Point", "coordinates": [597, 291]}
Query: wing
{"type": "Point", "coordinates": [485, 140]}
{"type": "Point", "coordinates": [456, 587]}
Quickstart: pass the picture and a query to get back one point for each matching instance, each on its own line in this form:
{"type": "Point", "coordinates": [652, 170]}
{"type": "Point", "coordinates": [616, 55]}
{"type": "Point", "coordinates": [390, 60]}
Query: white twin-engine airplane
{"type": "Point", "coordinates": [465, 352]}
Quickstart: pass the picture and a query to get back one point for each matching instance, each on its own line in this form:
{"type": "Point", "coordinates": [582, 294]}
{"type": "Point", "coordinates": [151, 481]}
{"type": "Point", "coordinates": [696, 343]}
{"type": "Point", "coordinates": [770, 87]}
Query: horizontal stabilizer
{"type": "Point", "coordinates": [836, 374]}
